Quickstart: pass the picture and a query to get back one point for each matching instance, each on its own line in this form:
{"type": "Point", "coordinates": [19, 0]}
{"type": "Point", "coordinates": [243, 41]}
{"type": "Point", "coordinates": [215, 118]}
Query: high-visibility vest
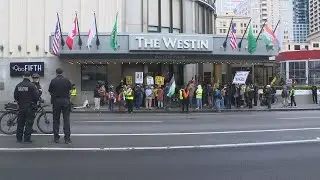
{"type": "Point", "coordinates": [292, 92]}
{"type": "Point", "coordinates": [199, 93]}
{"type": "Point", "coordinates": [73, 92]}
{"type": "Point", "coordinates": [129, 95]}
{"type": "Point", "coordinates": [180, 95]}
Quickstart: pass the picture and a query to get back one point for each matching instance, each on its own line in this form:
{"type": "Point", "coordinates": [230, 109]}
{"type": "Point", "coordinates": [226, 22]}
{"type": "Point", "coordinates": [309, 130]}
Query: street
{"type": "Point", "coordinates": [246, 145]}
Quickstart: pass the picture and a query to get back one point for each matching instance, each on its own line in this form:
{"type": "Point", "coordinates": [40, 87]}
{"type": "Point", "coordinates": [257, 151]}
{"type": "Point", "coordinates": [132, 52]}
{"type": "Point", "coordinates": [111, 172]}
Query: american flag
{"type": "Point", "coordinates": [233, 39]}
{"type": "Point", "coordinates": [56, 38]}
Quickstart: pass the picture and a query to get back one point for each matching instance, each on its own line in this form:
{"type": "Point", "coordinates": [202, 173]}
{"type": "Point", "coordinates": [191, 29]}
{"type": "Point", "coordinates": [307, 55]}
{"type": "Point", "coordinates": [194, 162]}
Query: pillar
{"type": "Point", "coordinates": [217, 73]}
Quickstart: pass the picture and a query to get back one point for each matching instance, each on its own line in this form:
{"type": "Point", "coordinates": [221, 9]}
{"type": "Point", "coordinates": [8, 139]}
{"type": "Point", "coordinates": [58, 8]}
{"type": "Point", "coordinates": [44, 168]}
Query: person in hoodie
{"type": "Point", "coordinates": [199, 93]}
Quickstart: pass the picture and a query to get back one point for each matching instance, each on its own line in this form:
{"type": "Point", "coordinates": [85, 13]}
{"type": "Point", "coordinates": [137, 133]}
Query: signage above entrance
{"type": "Point", "coordinates": [17, 68]}
{"type": "Point", "coordinates": [168, 42]}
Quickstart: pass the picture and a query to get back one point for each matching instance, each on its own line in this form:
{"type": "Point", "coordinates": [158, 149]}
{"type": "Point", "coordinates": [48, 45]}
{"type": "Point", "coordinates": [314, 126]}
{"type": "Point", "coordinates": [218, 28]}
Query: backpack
{"type": "Point", "coordinates": [218, 94]}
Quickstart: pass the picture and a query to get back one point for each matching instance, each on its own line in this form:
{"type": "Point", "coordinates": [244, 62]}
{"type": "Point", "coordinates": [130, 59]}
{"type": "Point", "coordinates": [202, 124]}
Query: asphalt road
{"type": "Point", "coordinates": [298, 162]}
{"type": "Point", "coordinates": [246, 145]}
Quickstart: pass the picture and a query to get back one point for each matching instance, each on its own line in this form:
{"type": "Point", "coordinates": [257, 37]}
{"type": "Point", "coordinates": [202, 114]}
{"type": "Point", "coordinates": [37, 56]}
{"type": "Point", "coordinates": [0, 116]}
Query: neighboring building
{"type": "Point", "coordinates": [272, 11]}
{"type": "Point", "coordinates": [240, 22]}
{"type": "Point", "coordinates": [314, 20]}
{"type": "Point", "coordinates": [163, 38]}
{"type": "Point", "coordinates": [227, 6]}
{"type": "Point", "coordinates": [301, 66]}
{"type": "Point", "coordinates": [301, 46]}
{"type": "Point", "coordinates": [300, 20]}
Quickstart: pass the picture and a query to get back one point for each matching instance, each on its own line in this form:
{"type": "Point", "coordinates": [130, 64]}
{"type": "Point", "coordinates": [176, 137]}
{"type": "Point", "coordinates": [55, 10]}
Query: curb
{"type": "Point", "coordinates": [192, 111]}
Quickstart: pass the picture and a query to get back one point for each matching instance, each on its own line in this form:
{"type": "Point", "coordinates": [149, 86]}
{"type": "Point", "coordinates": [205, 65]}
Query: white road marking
{"type": "Point", "coordinates": [185, 133]}
{"type": "Point", "coordinates": [117, 121]}
{"type": "Point", "coordinates": [239, 145]}
{"type": "Point", "coordinates": [300, 118]}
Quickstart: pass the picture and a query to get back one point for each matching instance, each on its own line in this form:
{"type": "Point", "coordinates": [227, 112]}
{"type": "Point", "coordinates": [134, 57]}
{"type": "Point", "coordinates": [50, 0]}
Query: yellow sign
{"type": "Point", "coordinates": [159, 80]}
{"type": "Point", "coordinates": [129, 80]}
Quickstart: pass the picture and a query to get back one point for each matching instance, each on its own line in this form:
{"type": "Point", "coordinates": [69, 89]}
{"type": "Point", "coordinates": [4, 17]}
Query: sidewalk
{"type": "Point", "coordinates": [278, 107]}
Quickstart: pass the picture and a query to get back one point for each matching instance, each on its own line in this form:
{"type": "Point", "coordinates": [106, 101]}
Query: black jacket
{"type": "Point", "coordinates": [37, 84]}
{"type": "Point", "coordinates": [59, 88]}
{"type": "Point", "coordinates": [26, 94]}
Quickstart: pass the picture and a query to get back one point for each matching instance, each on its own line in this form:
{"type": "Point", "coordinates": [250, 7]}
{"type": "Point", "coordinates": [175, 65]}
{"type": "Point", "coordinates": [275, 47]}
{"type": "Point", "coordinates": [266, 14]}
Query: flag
{"type": "Point", "coordinates": [252, 43]}
{"type": "Point", "coordinates": [279, 36]}
{"type": "Point", "coordinates": [114, 35]}
{"type": "Point", "coordinates": [233, 39]}
{"type": "Point", "coordinates": [72, 34]}
{"type": "Point", "coordinates": [56, 39]}
{"type": "Point", "coordinates": [92, 32]}
{"type": "Point", "coordinates": [172, 88]}
{"type": "Point", "coordinates": [268, 37]}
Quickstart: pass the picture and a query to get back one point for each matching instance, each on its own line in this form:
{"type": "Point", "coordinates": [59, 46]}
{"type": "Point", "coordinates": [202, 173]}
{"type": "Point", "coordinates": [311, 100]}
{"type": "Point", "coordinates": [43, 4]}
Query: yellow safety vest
{"type": "Point", "coordinates": [199, 94]}
{"type": "Point", "coordinates": [129, 95]}
{"type": "Point", "coordinates": [180, 95]}
{"type": "Point", "coordinates": [73, 92]}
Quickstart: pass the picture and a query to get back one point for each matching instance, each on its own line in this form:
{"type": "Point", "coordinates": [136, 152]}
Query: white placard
{"type": "Point", "coordinates": [150, 80]}
{"type": "Point", "coordinates": [289, 81]}
{"type": "Point", "coordinates": [240, 77]}
{"type": "Point", "coordinates": [139, 78]}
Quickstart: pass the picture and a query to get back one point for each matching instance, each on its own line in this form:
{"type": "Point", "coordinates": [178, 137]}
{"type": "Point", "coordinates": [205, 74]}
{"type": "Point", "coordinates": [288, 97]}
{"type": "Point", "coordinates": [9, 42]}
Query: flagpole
{"type": "Point", "coordinates": [95, 22]}
{"type": "Point", "coordinates": [225, 41]}
{"type": "Point", "coordinates": [261, 30]}
{"type": "Point", "coordinates": [240, 43]}
{"type": "Point", "coordinates": [79, 35]}
{"type": "Point", "coordinates": [62, 41]}
{"type": "Point", "coordinates": [276, 26]}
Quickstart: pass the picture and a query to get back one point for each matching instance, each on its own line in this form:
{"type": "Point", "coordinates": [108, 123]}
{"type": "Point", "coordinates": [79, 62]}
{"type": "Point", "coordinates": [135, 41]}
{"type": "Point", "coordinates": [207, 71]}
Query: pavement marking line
{"type": "Point", "coordinates": [105, 149]}
{"type": "Point", "coordinates": [186, 133]}
{"type": "Point", "coordinates": [117, 121]}
{"type": "Point", "coordinates": [300, 118]}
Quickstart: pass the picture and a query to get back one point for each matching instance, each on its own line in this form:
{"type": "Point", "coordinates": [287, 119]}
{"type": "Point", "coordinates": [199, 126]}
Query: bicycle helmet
{"type": "Point", "coordinates": [35, 75]}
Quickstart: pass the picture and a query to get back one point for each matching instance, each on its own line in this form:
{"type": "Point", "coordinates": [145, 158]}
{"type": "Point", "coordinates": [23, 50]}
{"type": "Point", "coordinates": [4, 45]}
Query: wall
{"type": "Point", "coordinates": [30, 22]}
{"type": "Point", "coordinates": [50, 64]}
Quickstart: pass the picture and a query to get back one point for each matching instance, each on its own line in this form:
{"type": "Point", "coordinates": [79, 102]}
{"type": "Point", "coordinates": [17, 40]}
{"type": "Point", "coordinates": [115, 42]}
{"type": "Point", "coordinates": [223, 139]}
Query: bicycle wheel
{"type": "Point", "coordinates": [45, 123]}
{"type": "Point", "coordinates": [8, 123]}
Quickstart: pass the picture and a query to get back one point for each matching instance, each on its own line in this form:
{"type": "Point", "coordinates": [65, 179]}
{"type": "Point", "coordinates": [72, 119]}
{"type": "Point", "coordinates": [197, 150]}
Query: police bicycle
{"type": "Point", "coordinates": [8, 120]}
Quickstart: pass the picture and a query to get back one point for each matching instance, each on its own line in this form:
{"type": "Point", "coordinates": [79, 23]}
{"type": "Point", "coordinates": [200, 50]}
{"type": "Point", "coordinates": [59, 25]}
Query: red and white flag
{"type": "Point", "coordinates": [233, 39]}
{"type": "Point", "coordinates": [92, 32]}
{"type": "Point", "coordinates": [72, 34]}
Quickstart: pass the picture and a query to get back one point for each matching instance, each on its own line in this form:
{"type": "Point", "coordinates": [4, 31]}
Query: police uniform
{"type": "Point", "coordinates": [26, 94]}
{"type": "Point", "coordinates": [59, 89]}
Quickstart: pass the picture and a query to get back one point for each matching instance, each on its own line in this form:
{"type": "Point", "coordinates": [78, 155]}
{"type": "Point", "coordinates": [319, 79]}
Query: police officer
{"type": "Point", "coordinates": [59, 89]}
{"type": "Point", "coordinates": [26, 94]}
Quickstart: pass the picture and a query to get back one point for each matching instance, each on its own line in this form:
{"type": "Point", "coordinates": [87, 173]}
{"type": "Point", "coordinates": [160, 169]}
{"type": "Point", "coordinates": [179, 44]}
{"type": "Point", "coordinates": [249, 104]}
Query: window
{"type": "Point", "coordinates": [289, 47]}
{"type": "Point", "coordinates": [224, 31]}
{"type": "Point", "coordinates": [221, 31]}
{"type": "Point", "coordinates": [306, 47]}
{"type": "Point", "coordinates": [241, 31]}
{"type": "Point", "coordinates": [314, 72]}
{"type": "Point", "coordinates": [297, 72]}
{"type": "Point", "coordinates": [296, 47]}
{"type": "Point", "coordinates": [241, 24]}
{"type": "Point", "coordinates": [316, 45]}
{"type": "Point", "coordinates": [244, 25]}
{"type": "Point", "coordinates": [90, 74]}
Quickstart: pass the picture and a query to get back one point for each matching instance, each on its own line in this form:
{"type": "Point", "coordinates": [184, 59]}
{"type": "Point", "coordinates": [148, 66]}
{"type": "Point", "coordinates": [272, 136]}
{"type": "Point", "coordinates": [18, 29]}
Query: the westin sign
{"type": "Point", "coordinates": [165, 42]}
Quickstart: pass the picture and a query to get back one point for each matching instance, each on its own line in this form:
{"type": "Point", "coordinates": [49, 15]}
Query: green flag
{"type": "Point", "coordinates": [114, 35]}
{"type": "Point", "coordinates": [252, 44]}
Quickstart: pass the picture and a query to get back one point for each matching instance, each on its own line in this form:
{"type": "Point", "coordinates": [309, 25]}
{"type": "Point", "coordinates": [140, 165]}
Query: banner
{"type": "Point", "coordinates": [159, 80]}
{"type": "Point", "coordinates": [139, 78]}
{"type": "Point", "coordinates": [129, 80]}
{"type": "Point", "coordinates": [150, 80]}
{"type": "Point", "coordinates": [240, 77]}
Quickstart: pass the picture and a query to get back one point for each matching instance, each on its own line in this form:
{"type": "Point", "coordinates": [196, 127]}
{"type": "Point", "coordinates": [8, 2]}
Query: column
{"type": "Point", "coordinates": [287, 70]}
{"type": "Point", "coordinates": [217, 73]}
{"type": "Point", "coordinates": [307, 72]}
{"type": "Point", "coordinates": [252, 74]}
{"type": "Point", "coordinates": [145, 69]}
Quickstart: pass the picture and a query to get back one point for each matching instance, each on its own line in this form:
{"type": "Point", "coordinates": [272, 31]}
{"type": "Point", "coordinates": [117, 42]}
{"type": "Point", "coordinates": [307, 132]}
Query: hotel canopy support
{"type": "Point", "coordinates": [186, 48]}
